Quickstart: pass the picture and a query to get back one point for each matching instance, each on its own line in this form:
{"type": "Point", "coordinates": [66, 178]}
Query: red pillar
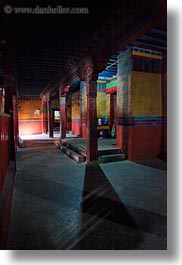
{"type": "Point", "coordinates": [44, 116]}
{"type": "Point", "coordinates": [50, 118]}
{"type": "Point", "coordinates": [62, 117]}
{"type": "Point", "coordinates": [91, 131]}
{"type": "Point", "coordinates": [15, 117]}
{"type": "Point", "coordinates": [90, 77]}
{"type": "Point", "coordinates": [8, 85]}
{"type": "Point", "coordinates": [83, 108]}
{"type": "Point", "coordinates": [111, 110]}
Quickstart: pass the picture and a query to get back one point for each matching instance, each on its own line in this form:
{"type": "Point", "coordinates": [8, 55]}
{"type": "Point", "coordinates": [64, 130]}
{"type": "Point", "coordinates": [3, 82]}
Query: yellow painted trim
{"type": "Point", "coordinates": [101, 82]}
{"type": "Point", "coordinates": [102, 127]}
{"type": "Point", "coordinates": [147, 55]}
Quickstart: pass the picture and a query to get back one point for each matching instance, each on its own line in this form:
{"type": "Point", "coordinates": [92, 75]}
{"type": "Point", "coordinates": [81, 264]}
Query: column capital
{"type": "Point", "coordinates": [48, 98]}
{"type": "Point", "coordinates": [66, 88]}
{"type": "Point", "coordinates": [44, 99]}
{"type": "Point", "coordinates": [89, 69]}
{"type": "Point", "coordinates": [63, 90]}
{"type": "Point", "coordinates": [86, 70]}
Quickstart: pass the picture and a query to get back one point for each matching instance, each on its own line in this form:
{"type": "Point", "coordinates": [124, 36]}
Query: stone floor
{"type": "Point", "coordinates": [103, 143]}
{"type": "Point", "coordinates": [43, 136]}
{"type": "Point", "coordinates": [59, 204]}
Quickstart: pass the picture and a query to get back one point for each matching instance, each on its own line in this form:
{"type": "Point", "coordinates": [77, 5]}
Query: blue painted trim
{"type": "Point", "coordinates": [142, 118]}
{"type": "Point", "coordinates": [142, 123]}
{"type": "Point", "coordinates": [76, 120]}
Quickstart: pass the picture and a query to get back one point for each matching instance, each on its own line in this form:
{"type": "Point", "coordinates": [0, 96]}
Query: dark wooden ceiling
{"type": "Point", "coordinates": [43, 44]}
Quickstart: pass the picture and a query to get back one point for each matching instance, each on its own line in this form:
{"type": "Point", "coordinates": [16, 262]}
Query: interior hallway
{"type": "Point", "coordinates": [59, 204]}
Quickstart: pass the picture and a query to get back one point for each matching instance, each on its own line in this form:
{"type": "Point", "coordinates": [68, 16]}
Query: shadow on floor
{"type": "Point", "coordinates": [154, 163]}
{"type": "Point", "coordinates": [105, 221]}
{"type": "Point", "coordinates": [59, 205]}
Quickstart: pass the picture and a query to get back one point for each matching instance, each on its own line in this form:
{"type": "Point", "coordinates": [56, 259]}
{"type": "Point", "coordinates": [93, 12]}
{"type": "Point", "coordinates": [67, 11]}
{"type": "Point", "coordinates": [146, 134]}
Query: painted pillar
{"type": "Point", "coordinates": [62, 117]}
{"type": "Point", "coordinates": [123, 91]}
{"type": "Point", "coordinates": [50, 118]}
{"type": "Point", "coordinates": [90, 78]}
{"type": "Point", "coordinates": [139, 104]}
{"type": "Point", "coordinates": [145, 123]}
{"type": "Point", "coordinates": [91, 131]}
{"type": "Point", "coordinates": [44, 116]}
{"type": "Point", "coordinates": [112, 101]}
{"type": "Point", "coordinates": [15, 117]}
{"type": "Point", "coordinates": [8, 85]}
{"type": "Point", "coordinates": [75, 113]}
{"type": "Point", "coordinates": [83, 108]}
{"type": "Point", "coordinates": [68, 112]}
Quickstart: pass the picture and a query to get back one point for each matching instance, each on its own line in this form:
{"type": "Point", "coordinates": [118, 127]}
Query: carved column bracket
{"type": "Point", "coordinates": [85, 71]}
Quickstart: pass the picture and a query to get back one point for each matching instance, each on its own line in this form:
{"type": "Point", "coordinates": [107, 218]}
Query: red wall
{"type": "Point", "coordinates": [30, 127]}
{"type": "Point", "coordinates": [120, 140]}
{"type": "Point", "coordinates": [4, 146]}
{"type": "Point", "coordinates": [144, 142]}
{"type": "Point", "coordinates": [68, 125]}
{"type": "Point", "coordinates": [141, 142]}
{"type": "Point", "coordinates": [30, 122]}
{"type": "Point", "coordinates": [83, 130]}
{"type": "Point", "coordinates": [7, 173]}
{"type": "Point", "coordinates": [76, 127]}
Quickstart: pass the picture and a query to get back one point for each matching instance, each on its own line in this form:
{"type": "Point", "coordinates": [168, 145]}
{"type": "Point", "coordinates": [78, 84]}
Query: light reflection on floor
{"type": "Point", "coordinates": [44, 136]}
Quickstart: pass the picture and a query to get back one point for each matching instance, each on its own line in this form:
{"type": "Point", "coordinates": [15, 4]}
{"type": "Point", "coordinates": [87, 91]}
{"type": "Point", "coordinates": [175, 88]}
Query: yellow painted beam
{"type": "Point", "coordinates": [147, 55]}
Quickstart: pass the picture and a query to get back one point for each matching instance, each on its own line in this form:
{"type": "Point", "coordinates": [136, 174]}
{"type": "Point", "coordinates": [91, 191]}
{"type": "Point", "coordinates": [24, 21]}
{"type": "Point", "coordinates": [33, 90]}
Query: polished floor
{"type": "Point", "coordinates": [44, 136]}
{"type": "Point", "coordinates": [59, 204]}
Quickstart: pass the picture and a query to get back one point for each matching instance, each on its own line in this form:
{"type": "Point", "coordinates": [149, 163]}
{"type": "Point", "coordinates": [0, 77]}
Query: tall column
{"type": "Point", "coordinates": [62, 117]}
{"type": "Point", "coordinates": [44, 116]}
{"type": "Point", "coordinates": [91, 131]}
{"type": "Point", "coordinates": [50, 117]}
{"type": "Point", "coordinates": [87, 75]}
{"type": "Point", "coordinates": [8, 85]}
{"type": "Point", "coordinates": [111, 110]}
{"type": "Point", "coordinates": [15, 117]}
{"type": "Point", "coordinates": [68, 113]}
{"type": "Point", "coordinates": [139, 105]}
{"type": "Point", "coordinates": [123, 100]}
{"type": "Point", "coordinates": [83, 108]}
